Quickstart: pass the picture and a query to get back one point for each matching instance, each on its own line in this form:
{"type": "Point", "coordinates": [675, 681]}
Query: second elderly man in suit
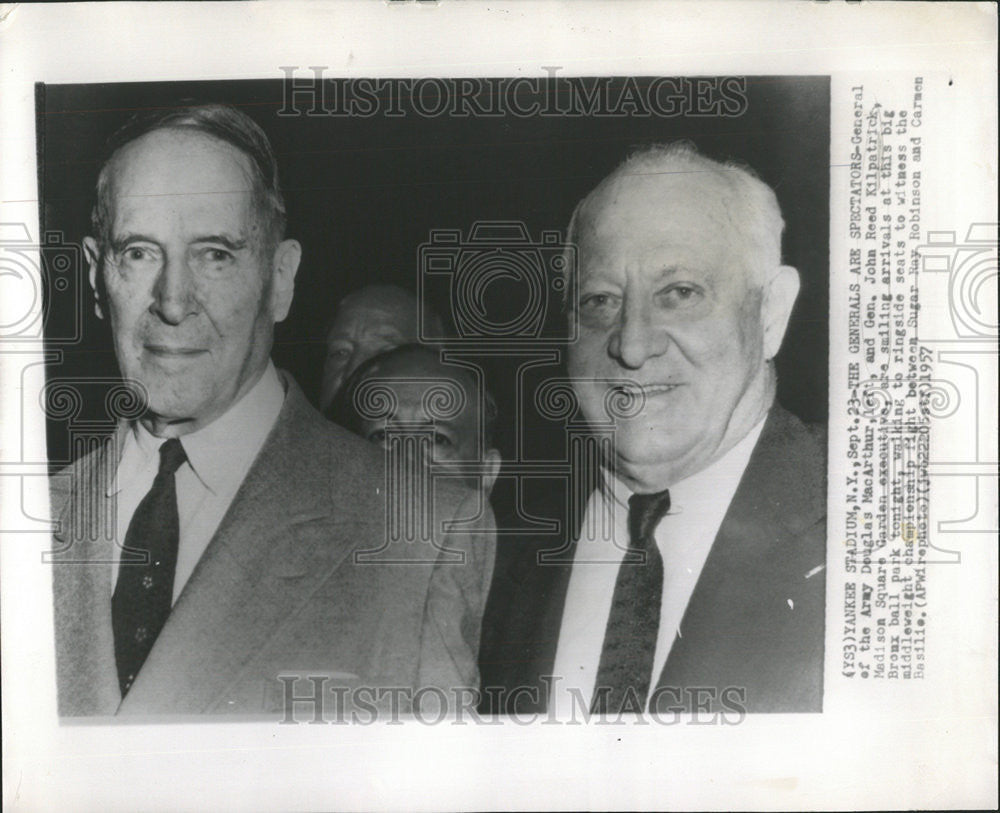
{"type": "Point", "coordinates": [705, 589]}
{"type": "Point", "coordinates": [231, 539]}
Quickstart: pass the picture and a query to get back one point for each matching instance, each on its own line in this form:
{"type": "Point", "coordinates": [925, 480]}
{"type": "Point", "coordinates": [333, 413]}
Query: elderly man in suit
{"type": "Point", "coordinates": [231, 540]}
{"type": "Point", "coordinates": [704, 590]}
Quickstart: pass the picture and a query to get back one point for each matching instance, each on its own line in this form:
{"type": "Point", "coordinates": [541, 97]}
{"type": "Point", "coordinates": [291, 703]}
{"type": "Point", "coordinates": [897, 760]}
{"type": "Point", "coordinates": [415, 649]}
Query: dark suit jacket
{"type": "Point", "coordinates": [279, 590]}
{"type": "Point", "coordinates": [754, 623]}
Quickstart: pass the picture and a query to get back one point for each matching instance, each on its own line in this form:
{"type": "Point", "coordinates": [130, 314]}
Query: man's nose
{"type": "Point", "coordinates": [637, 338]}
{"type": "Point", "coordinates": [173, 296]}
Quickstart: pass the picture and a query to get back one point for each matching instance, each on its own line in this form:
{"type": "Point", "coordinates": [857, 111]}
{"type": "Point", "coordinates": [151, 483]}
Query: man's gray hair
{"type": "Point", "coordinates": [219, 121]}
{"type": "Point", "coordinates": [751, 204]}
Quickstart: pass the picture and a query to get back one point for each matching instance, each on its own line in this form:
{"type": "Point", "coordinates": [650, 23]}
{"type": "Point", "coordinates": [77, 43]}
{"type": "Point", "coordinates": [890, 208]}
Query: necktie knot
{"type": "Point", "coordinates": [644, 513]}
{"type": "Point", "coordinates": [172, 456]}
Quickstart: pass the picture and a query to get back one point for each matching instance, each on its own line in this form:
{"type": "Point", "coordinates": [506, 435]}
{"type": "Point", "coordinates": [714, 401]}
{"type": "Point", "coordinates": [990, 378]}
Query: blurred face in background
{"type": "Point", "coordinates": [367, 322]}
{"type": "Point", "coordinates": [435, 404]}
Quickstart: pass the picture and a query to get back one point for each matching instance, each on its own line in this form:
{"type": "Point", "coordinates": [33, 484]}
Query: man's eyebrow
{"type": "Point", "coordinates": [598, 278]}
{"type": "Point", "coordinates": [232, 243]}
{"type": "Point", "coordinates": [384, 331]}
{"type": "Point", "coordinates": [119, 243]}
{"type": "Point", "coordinates": [701, 276]}
{"type": "Point", "coordinates": [670, 271]}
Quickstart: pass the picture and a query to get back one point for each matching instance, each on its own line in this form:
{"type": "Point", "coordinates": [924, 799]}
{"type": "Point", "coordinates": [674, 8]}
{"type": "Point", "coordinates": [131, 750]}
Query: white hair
{"type": "Point", "coordinates": [750, 204]}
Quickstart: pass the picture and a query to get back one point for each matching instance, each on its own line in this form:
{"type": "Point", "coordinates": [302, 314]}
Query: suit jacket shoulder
{"type": "Point", "coordinates": [753, 631]}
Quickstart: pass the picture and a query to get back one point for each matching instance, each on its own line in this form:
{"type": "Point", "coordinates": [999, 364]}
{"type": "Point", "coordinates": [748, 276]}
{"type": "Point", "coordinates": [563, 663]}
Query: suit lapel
{"type": "Point", "coordinates": [84, 549]}
{"type": "Point", "coordinates": [544, 600]}
{"type": "Point", "coordinates": [275, 545]}
{"type": "Point", "coordinates": [753, 595]}
{"type": "Point", "coordinates": [521, 633]}
{"type": "Point", "coordinates": [740, 612]}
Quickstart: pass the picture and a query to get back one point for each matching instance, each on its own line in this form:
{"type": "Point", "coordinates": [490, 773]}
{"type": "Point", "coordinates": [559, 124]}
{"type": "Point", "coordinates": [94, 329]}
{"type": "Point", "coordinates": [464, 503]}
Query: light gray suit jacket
{"type": "Point", "coordinates": [285, 587]}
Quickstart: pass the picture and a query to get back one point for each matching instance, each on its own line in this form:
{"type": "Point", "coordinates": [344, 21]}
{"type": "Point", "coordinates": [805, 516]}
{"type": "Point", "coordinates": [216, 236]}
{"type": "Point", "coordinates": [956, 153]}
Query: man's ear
{"type": "Point", "coordinates": [491, 469]}
{"type": "Point", "coordinates": [780, 293]}
{"type": "Point", "coordinates": [286, 264]}
{"type": "Point", "coordinates": [93, 255]}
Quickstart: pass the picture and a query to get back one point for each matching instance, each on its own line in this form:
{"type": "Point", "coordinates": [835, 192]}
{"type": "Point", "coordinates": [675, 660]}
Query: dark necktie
{"type": "Point", "coordinates": [144, 592]}
{"type": "Point", "coordinates": [626, 664]}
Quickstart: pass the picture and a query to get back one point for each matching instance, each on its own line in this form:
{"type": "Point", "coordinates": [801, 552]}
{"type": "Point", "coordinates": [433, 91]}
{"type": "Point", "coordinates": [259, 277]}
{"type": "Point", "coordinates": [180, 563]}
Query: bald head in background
{"type": "Point", "coordinates": [366, 322]}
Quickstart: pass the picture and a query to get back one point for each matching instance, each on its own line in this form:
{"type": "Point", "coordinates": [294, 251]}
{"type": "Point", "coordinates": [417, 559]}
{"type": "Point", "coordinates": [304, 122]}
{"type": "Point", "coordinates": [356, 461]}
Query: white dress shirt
{"type": "Point", "coordinates": [218, 458]}
{"type": "Point", "coordinates": [684, 537]}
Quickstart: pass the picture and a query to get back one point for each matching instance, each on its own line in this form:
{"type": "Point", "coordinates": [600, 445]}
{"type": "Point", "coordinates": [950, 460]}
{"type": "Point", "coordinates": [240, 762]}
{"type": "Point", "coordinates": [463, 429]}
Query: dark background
{"type": "Point", "coordinates": [364, 193]}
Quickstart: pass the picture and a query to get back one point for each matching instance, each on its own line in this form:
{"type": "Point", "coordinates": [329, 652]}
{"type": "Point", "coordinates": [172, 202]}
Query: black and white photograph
{"type": "Point", "coordinates": [574, 316]}
{"type": "Point", "coordinates": [534, 414]}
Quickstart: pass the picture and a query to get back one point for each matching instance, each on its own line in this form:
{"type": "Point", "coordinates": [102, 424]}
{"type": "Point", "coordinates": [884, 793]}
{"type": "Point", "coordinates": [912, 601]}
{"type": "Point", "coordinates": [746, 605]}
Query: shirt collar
{"type": "Point", "coordinates": [714, 481]}
{"type": "Point", "coordinates": [139, 450]}
{"type": "Point", "coordinates": [222, 450]}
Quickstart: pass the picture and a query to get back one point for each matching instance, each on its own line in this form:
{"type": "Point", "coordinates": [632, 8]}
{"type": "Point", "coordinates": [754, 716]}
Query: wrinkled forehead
{"type": "Point", "coordinates": [655, 220]}
{"type": "Point", "coordinates": [179, 162]}
{"type": "Point", "coordinates": [644, 204]}
{"type": "Point", "coordinates": [175, 173]}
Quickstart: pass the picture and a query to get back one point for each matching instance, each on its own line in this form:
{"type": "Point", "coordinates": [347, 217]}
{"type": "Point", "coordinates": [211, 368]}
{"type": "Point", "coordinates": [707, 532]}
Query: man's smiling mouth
{"type": "Point", "coordinates": [169, 351]}
{"type": "Point", "coordinates": [645, 390]}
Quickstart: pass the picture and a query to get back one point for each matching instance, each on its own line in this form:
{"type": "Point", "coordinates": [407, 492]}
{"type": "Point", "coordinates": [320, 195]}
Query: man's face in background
{"type": "Point", "coordinates": [367, 322]}
{"type": "Point", "coordinates": [191, 285]}
{"type": "Point", "coordinates": [439, 403]}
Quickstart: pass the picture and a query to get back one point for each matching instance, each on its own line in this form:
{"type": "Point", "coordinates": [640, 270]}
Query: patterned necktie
{"type": "Point", "coordinates": [626, 663]}
{"type": "Point", "coordinates": [144, 592]}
